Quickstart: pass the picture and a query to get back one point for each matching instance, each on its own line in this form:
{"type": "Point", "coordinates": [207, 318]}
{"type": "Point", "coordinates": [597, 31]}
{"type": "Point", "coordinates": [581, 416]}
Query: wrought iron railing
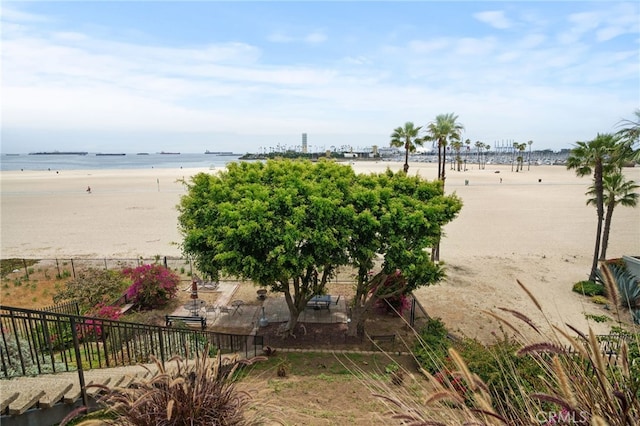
{"type": "Point", "coordinates": [39, 342]}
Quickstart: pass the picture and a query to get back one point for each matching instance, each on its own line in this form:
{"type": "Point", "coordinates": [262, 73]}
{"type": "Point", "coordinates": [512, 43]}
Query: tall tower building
{"type": "Point", "coordinates": [304, 143]}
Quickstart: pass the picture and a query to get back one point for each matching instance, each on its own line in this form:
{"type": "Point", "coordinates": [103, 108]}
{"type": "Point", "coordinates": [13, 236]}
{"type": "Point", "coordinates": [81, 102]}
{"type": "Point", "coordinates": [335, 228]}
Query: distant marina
{"type": "Point", "coordinates": [76, 160]}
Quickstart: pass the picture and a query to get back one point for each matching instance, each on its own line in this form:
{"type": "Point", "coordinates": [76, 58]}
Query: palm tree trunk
{"type": "Point", "coordinates": [444, 163]}
{"type": "Point", "coordinates": [439, 158]}
{"type": "Point", "coordinates": [597, 178]}
{"type": "Point", "coordinates": [406, 157]}
{"type": "Point", "coordinates": [607, 228]}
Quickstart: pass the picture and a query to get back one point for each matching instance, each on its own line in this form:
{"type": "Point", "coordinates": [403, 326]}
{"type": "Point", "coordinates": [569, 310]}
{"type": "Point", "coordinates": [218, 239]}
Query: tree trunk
{"type": "Point", "coordinates": [355, 327]}
{"type": "Point", "coordinates": [607, 228]}
{"type": "Point", "coordinates": [439, 158]}
{"type": "Point", "coordinates": [597, 178]}
{"type": "Point", "coordinates": [294, 313]}
{"type": "Point", "coordinates": [291, 324]}
{"type": "Point", "coordinates": [444, 163]}
{"type": "Point", "coordinates": [406, 157]}
{"type": "Point", "coordinates": [435, 252]}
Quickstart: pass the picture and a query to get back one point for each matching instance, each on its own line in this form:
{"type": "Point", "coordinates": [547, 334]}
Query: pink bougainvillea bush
{"type": "Point", "coordinates": [398, 302]}
{"type": "Point", "coordinates": [152, 285]}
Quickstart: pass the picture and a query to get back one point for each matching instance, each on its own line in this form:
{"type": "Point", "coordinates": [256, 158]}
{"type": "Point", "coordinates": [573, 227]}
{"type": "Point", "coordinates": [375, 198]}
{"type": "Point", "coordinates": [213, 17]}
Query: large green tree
{"type": "Point", "coordinates": [407, 137]}
{"type": "Point", "coordinates": [598, 158]}
{"type": "Point", "coordinates": [617, 190]}
{"type": "Point", "coordinates": [289, 224]}
{"type": "Point", "coordinates": [395, 218]}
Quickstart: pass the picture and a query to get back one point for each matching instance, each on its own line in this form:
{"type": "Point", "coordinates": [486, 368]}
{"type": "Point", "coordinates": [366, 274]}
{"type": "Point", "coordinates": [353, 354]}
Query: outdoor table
{"type": "Point", "coordinates": [194, 306]}
{"type": "Point", "coordinates": [320, 301]}
{"type": "Point", "coordinates": [237, 306]}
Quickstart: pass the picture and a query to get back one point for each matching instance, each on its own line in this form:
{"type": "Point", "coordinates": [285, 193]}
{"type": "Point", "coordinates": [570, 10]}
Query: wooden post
{"type": "Point", "coordinates": [26, 270]}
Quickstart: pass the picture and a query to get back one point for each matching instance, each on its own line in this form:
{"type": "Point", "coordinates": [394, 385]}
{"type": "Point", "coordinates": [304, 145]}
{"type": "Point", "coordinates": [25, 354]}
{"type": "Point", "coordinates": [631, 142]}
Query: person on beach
{"type": "Point", "coordinates": [88, 190]}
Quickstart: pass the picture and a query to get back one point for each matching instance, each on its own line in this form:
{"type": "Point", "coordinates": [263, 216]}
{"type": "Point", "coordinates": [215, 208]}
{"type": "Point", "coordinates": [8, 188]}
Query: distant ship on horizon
{"type": "Point", "coordinates": [103, 154]}
{"type": "Point", "coordinates": [59, 153]}
{"type": "Point", "coordinates": [169, 153]}
{"type": "Point", "coordinates": [220, 152]}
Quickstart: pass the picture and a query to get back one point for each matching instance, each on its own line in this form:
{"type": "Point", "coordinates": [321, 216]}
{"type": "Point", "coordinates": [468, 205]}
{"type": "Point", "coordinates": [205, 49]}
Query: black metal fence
{"type": "Point", "coordinates": [40, 342]}
{"type": "Point", "coordinates": [69, 267]}
{"type": "Point", "coordinates": [69, 308]}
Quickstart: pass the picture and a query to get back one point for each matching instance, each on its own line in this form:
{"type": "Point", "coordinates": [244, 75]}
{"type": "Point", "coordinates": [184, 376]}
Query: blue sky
{"type": "Point", "coordinates": [241, 76]}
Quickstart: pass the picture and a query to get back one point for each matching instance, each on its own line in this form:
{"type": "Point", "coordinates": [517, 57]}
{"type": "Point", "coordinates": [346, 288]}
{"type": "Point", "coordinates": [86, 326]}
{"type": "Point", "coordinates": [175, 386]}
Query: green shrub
{"type": "Point", "coordinates": [431, 348]}
{"type": "Point", "coordinates": [628, 286]}
{"type": "Point", "coordinates": [600, 300]}
{"type": "Point", "coordinates": [589, 288]}
{"type": "Point", "coordinates": [597, 318]}
{"type": "Point", "coordinates": [508, 376]}
{"type": "Point", "coordinates": [17, 351]}
{"type": "Point", "coordinates": [92, 287]}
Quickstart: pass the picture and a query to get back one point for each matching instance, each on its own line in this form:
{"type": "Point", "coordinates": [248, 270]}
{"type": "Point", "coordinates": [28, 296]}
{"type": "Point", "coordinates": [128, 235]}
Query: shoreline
{"type": "Point", "coordinates": [49, 214]}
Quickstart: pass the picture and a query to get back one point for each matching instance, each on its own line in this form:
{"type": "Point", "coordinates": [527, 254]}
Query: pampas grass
{"type": "Point", "coordinates": [194, 392]}
{"type": "Point", "coordinates": [574, 384]}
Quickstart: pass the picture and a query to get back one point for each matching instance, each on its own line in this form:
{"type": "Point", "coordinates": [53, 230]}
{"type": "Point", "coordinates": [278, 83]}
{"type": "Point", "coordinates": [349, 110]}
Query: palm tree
{"type": "Point", "coordinates": [631, 132]}
{"type": "Point", "coordinates": [617, 190]}
{"type": "Point", "coordinates": [408, 137]}
{"type": "Point", "coordinates": [457, 146]}
{"type": "Point", "coordinates": [487, 147]}
{"type": "Point", "coordinates": [529, 160]}
{"type": "Point", "coordinates": [593, 157]}
{"type": "Point", "coordinates": [479, 147]}
{"type": "Point", "coordinates": [521, 147]}
{"type": "Point", "coordinates": [466, 156]}
{"type": "Point", "coordinates": [445, 128]}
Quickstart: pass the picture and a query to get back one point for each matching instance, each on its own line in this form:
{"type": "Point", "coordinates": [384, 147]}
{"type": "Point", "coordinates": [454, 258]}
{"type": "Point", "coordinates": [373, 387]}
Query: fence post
{"type": "Point", "coordinates": [161, 344]}
{"type": "Point", "coordinates": [73, 269]}
{"type": "Point", "coordinates": [26, 270]}
{"type": "Point", "coordinates": [58, 266]}
{"type": "Point", "coordinates": [412, 321]}
{"type": "Point", "coordinates": [76, 348]}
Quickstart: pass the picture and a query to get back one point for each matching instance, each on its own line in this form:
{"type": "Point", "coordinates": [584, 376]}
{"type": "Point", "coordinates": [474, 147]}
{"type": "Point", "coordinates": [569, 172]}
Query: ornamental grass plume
{"type": "Point", "coordinates": [554, 378]}
{"type": "Point", "coordinates": [194, 392]}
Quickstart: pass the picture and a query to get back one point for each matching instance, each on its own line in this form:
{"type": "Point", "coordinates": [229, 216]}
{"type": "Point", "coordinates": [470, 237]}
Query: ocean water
{"type": "Point", "coordinates": [128, 161]}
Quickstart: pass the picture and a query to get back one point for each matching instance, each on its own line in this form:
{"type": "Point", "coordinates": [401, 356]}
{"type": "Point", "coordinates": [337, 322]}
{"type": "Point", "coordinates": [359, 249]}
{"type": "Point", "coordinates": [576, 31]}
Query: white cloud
{"type": "Point", "coordinates": [8, 14]}
{"type": "Point", "coordinates": [315, 37]}
{"type": "Point", "coordinates": [495, 18]}
{"type": "Point", "coordinates": [522, 86]}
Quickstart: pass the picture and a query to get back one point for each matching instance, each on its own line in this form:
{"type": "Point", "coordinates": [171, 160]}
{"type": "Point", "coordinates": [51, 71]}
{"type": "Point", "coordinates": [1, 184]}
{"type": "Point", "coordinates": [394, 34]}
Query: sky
{"type": "Point", "coordinates": [133, 76]}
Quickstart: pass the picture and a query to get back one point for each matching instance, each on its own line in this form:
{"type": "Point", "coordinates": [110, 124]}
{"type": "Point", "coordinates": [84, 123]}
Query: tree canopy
{"type": "Point", "coordinates": [289, 224]}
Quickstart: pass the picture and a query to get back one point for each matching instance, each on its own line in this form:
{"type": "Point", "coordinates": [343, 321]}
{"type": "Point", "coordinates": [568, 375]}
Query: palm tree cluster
{"type": "Point", "coordinates": [443, 131]}
{"type": "Point", "coordinates": [604, 157]}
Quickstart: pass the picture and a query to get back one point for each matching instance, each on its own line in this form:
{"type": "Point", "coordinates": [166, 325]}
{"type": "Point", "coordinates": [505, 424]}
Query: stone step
{"type": "Point", "coordinates": [23, 393]}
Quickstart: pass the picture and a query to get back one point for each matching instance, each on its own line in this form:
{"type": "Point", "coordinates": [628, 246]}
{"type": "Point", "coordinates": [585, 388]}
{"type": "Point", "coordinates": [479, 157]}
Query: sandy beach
{"type": "Point", "coordinates": [533, 226]}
